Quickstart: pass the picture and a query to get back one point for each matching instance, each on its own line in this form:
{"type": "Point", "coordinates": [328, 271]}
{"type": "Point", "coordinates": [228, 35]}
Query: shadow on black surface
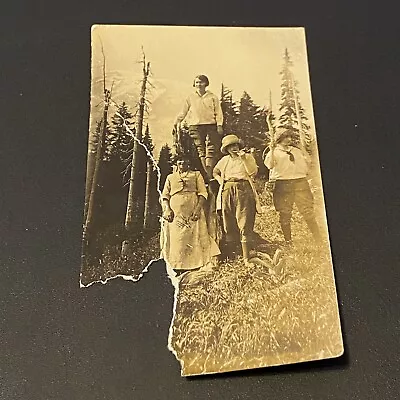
{"type": "Point", "coordinates": [340, 363]}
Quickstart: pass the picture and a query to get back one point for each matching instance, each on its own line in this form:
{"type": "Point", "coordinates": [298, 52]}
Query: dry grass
{"type": "Point", "coordinates": [239, 316]}
{"type": "Point", "coordinates": [110, 263]}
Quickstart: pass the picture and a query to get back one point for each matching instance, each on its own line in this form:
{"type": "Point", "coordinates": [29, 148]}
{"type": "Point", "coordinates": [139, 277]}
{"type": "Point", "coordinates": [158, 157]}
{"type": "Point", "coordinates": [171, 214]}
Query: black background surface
{"type": "Point", "coordinates": [58, 341]}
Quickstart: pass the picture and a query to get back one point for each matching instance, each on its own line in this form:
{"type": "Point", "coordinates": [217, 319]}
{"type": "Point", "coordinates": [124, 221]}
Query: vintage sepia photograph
{"type": "Point", "coordinates": [202, 152]}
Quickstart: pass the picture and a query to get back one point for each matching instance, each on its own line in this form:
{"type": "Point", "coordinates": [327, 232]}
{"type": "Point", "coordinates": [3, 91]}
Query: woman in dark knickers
{"type": "Point", "coordinates": [237, 197]}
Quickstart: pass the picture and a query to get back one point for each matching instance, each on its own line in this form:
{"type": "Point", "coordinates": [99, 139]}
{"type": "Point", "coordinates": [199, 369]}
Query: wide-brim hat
{"type": "Point", "coordinates": [228, 140]}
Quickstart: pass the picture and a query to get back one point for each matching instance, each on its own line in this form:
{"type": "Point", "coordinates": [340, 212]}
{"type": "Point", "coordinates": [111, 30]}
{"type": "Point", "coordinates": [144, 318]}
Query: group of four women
{"type": "Point", "coordinates": [186, 243]}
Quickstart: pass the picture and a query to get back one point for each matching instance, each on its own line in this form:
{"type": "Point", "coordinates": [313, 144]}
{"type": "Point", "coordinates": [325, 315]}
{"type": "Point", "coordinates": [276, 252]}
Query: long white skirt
{"type": "Point", "coordinates": [186, 244]}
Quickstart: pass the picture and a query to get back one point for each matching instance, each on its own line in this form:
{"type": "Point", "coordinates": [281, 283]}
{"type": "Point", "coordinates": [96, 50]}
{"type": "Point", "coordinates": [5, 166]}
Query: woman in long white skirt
{"type": "Point", "coordinates": [185, 241]}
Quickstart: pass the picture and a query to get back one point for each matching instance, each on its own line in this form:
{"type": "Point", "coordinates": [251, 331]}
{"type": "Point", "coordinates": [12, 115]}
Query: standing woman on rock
{"type": "Point", "coordinates": [185, 241]}
{"type": "Point", "coordinates": [202, 112]}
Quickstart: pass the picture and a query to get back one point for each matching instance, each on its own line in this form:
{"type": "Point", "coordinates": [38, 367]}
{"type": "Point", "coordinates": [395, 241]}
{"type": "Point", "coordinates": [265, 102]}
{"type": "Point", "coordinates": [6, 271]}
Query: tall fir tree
{"type": "Point", "coordinates": [119, 138]}
{"type": "Point", "coordinates": [252, 125]}
{"type": "Point", "coordinates": [289, 101]}
{"type": "Point", "coordinates": [252, 128]}
{"type": "Point", "coordinates": [229, 110]}
{"type": "Point", "coordinates": [164, 164]}
{"type": "Point", "coordinates": [118, 143]}
{"type": "Point", "coordinates": [152, 204]}
{"type": "Point", "coordinates": [147, 140]}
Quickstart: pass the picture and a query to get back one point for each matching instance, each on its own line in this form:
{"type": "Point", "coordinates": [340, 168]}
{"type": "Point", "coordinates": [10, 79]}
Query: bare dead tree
{"type": "Point", "coordinates": [147, 215]}
{"type": "Point", "coordinates": [270, 101]}
{"type": "Point", "coordinates": [98, 156]}
{"type": "Point", "coordinates": [91, 161]}
{"type": "Point", "coordinates": [135, 205]}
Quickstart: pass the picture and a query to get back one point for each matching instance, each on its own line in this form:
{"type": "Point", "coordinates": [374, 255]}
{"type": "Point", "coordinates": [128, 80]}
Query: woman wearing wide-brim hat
{"type": "Point", "coordinates": [237, 198]}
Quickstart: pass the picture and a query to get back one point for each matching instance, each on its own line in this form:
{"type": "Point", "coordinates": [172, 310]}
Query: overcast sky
{"type": "Point", "coordinates": [242, 58]}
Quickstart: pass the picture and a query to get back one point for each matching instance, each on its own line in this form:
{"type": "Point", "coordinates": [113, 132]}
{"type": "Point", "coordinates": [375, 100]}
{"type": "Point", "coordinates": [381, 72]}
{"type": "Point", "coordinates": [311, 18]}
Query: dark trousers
{"type": "Point", "coordinates": [199, 133]}
{"type": "Point", "coordinates": [286, 194]}
{"type": "Point", "coordinates": [238, 211]}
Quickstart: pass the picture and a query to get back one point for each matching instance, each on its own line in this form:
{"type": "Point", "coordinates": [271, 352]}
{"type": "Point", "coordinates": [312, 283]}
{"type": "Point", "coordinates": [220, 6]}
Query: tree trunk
{"type": "Point", "coordinates": [95, 177]}
{"type": "Point", "coordinates": [147, 215]}
{"type": "Point", "coordinates": [135, 204]}
{"type": "Point", "coordinates": [91, 164]}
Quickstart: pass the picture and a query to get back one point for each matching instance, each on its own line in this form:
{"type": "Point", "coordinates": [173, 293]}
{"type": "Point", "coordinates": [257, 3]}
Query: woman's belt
{"type": "Point", "coordinates": [236, 180]}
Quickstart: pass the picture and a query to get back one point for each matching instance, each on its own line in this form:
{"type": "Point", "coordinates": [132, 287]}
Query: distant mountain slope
{"type": "Point", "coordinates": [166, 98]}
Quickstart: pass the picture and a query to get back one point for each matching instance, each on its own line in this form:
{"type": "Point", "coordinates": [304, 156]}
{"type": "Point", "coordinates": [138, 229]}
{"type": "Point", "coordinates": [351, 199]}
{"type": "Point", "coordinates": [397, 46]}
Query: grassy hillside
{"type": "Point", "coordinates": [237, 316]}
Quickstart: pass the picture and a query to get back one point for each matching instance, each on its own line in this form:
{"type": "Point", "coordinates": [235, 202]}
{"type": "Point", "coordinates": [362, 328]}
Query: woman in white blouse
{"type": "Point", "coordinates": [185, 241]}
{"type": "Point", "coordinates": [203, 114]}
{"type": "Point", "coordinates": [237, 197]}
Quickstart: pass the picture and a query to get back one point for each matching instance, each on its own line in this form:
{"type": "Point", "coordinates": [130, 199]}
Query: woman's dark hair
{"type": "Point", "coordinates": [181, 157]}
{"type": "Point", "coordinates": [286, 133]}
{"type": "Point", "coordinates": [203, 78]}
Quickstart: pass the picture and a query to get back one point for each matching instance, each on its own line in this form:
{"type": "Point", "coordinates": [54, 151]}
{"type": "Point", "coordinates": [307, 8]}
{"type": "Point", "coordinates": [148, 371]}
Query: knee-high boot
{"type": "Point", "coordinates": [203, 164]}
{"type": "Point", "coordinates": [245, 251]}
{"type": "Point", "coordinates": [286, 226]}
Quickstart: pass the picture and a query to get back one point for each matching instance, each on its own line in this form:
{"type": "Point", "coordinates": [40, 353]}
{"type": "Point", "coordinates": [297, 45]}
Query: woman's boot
{"type": "Point", "coordinates": [245, 251]}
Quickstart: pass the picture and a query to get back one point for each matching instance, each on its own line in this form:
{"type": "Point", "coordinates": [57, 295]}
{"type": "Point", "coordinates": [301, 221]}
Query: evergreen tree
{"type": "Point", "coordinates": [252, 125]}
{"type": "Point", "coordinates": [94, 137]}
{"type": "Point", "coordinates": [289, 100]}
{"type": "Point", "coordinates": [229, 110]}
{"type": "Point", "coordinates": [119, 139]}
{"type": "Point", "coordinates": [164, 164]}
{"type": "Point", "coordinates": [112, 193]}
{"type": "Point", "coordinates": [147, 140]}
{"type": "Point", "coordinates": [252, 128]}
{"type": "Point", "coordinates": [152, 204]}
